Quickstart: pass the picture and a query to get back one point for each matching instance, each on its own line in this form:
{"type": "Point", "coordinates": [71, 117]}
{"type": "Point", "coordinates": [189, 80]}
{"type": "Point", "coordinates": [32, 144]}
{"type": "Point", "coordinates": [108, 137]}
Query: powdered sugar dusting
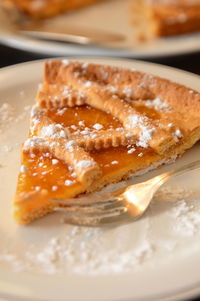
{"type": "Point", "coordinates": [85, 164]}
{"type": "Point", "coordinates": [53, 131]}
{"type": "Point", "coordinates": [34, 142]}
{"type": "Point", "coordinates": [97, 126]}
{"type": "Point", "coordinates": [140, 122]}
{"type": "Point", "coordinates": [188, 218]}
{"type": "Point", "coordinates": [128, 91]}
{"type": "Point", "coordinates": [116, 250]}
{"type": "Point", "coordinates": [9, 116]}
{"type": "Point", "coordinates": [6, 116]}
{"type": "Point", "coordinates": [23, 169]}
{"type": "Point", "coordinates": [6, 112]}
{"type": "Point", "coordinates": [69, 182]}
{"type": "Point", "coordinates": [145, 136]}
{"type": "Point", "coordinates": [70, 145]}
{"type": "Point", "coordinates": [157, 104]}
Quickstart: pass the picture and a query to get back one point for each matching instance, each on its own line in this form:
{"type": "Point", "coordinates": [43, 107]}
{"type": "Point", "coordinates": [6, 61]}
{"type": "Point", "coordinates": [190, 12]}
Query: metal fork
{"type": "Point", "coordinates": [123, 205]}
{"type": "Point", "coordinates": [15, 22]}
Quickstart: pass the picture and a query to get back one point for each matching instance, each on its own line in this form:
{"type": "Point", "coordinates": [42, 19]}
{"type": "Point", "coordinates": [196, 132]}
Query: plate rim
{"type": "Point", "coordinates": [191, 291]}
{"type": "Point", "coordinates": [41, 48]}
{"type": "Point", "coordinates": [100, 58]}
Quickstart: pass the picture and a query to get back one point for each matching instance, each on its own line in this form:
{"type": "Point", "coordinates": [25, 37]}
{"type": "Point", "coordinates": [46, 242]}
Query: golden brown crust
{"type": "Point", "coordinates": [102, 139]}
{"type": "Point", "coordinates": [114, 91]}
{"type": "Point", "coordinates": [151, 17]}
{"type": "Point", "coordinates": [166, 18]}
{"type": "Point", "coordinates": [40, 9]}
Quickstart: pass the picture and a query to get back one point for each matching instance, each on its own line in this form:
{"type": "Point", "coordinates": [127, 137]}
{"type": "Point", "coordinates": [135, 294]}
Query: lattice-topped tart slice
{"type": "Point", "coordinates": [44, 8]}
{"type": "Point", "coordinates": [151, 18]}
{"type": "Point", "coordinates": [166, 17]}
{"type": "Point", "coordinates": [93, 125]}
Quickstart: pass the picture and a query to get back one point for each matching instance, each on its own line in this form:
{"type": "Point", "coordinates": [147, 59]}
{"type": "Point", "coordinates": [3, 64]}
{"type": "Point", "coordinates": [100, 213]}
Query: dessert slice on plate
{"type": "Point", "coordinates": [93, 125]}
{"type": "Point", "coordinates": [152, 18]}
{"type": "Point", "coordinates": [45, 8]}
{"type": "Point", "coordinates": [166, 17]}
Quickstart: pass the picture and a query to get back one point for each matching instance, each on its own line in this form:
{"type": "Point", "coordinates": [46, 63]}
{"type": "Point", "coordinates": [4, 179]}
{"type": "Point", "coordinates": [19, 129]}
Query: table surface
{"type": "Point", "coordinates": [189, 63]}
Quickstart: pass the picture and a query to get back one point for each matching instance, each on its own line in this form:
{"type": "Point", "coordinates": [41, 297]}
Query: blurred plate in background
{"type": "Point", "coordinates": [112, 16]}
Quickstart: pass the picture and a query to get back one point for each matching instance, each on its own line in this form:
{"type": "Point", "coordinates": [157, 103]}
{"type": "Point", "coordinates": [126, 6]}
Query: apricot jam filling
{"type": "Point", "coordinates": [44, 172]}
{"type": "Point", "coordinates": [57, 178]}
{"type": "Point", "coordinates": [82, 117]}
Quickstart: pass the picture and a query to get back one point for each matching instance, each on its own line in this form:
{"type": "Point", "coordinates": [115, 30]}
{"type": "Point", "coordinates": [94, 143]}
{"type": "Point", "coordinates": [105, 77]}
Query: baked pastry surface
{"type": "Point", "coordinates": [166, 17]}
{"type": "Point", "coordinates": [151, 17]}
{"type": "Point", "coordinates": [46, 8]}
{"type": "Point", "coordinates": [93, 125]}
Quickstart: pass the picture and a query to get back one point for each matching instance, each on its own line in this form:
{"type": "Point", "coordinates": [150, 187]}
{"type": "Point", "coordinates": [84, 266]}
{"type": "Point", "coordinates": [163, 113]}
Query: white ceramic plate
{"type": "Point", "coordinates": [155, 258]}
{"type": "Point", "coordinates": [113, 16]}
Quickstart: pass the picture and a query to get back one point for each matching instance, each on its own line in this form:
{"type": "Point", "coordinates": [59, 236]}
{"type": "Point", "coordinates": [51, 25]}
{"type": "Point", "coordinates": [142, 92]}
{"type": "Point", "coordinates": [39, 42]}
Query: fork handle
{"type": "Point", "coordinates": [161, 179]}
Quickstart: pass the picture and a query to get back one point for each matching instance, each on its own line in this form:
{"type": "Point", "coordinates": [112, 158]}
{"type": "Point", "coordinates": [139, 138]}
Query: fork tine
{"type": "Point", "coordinates": [98, 219]}
{"type": "Point", "coordinates": [98, 209]}
{"type": "Point", "coordinates": [114, 204]}
{"type": "Point", "coordinates": [91, 199]}
{"type": "Point", "coordinates": [85, 201]}
{"type": "Point", "coordinates": [115, 219]}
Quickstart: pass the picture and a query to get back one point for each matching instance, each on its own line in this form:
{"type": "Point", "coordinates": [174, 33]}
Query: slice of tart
{"type": "Point", "coordinates": [93, 125]}
{"type": "Point", "coordinates": [151, 17]}
{"type": "Point", "coordinates": [166, 17]}
{"type": "Point", "coordinates": [40, 9]}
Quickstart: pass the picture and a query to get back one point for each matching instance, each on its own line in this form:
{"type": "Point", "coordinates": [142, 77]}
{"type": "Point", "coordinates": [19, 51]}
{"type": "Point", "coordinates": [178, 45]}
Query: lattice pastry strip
{"type": "Point", "coordinates": [92, 140]}
{"type": "Point", "coordinates": [124, 82]}
{"type": "Point", "coordinates": [95, 93]}
{"type": "Point", "coordinates": [60, 96]}
{"type": "Point", "coordinates": [102, 139]}
{"type": "Point", "coordinates": [52, 137]}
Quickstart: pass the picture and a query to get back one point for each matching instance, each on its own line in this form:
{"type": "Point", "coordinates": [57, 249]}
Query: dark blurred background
{"type": "Point", "coordinates": [190, 62]}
